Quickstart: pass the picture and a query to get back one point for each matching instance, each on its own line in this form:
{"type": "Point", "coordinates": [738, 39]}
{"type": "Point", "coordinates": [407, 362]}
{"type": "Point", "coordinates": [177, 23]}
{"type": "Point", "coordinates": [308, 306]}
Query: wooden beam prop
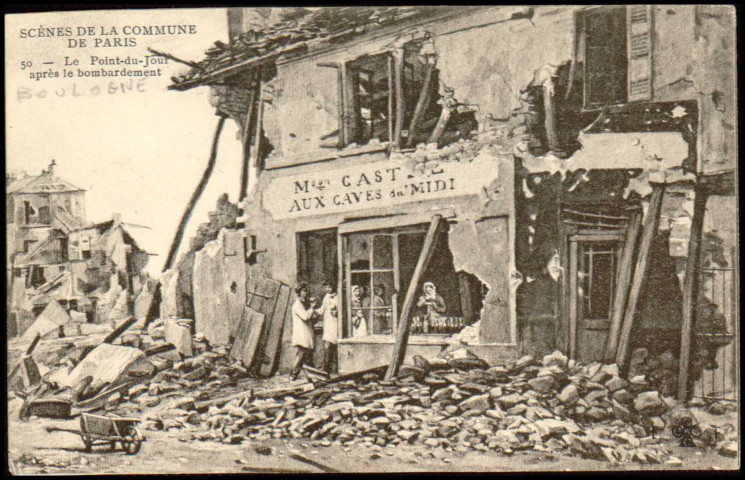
{"type": "Point", "coordinates": [195, 196]}
{"type": "Point", "coordinates": [625, 270]}
{"type": "Point", "coordinates": [128, 322]}
{"type": "Point", "coordinates": [247, 140]}
{"type": "Point", "coordinates": [573, 293]}
{"type": "Point", "coordinates": [421, 104]}
{"type": "Point", "coordinates": [402, 338]}
{"type": "Point", "coordinates": [550, 116]}
{"type": "Point", "coordinates": [690, 291]}
{"type": "Point", "coordinates": [398, 80]}
{"type": "Point", "coordinates": [258, 126]}
{"type": "Point", "coordinates": [441, 124]}
{"type": "Point", "coordinates": [178, 237]}
{"type": "Point", "coordinates": [650, 228]}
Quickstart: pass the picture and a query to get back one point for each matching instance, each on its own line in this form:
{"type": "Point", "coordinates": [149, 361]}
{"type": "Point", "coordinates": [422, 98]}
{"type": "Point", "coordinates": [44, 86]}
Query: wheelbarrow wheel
{"type": "Point", "coordinates": [132, 441]}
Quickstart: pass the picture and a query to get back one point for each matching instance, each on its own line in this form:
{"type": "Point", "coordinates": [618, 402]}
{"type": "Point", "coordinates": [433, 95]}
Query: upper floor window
{"type": "Point", "coordinates": [372, 109]}
{"type": "Point", "coordinates": [393, 96]}
{"type": "Point", "coordinates": [617, 52]}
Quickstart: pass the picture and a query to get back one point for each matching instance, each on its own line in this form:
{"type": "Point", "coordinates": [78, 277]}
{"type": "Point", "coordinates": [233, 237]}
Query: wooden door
{"type": "Point", "coordinates": [593, 275]}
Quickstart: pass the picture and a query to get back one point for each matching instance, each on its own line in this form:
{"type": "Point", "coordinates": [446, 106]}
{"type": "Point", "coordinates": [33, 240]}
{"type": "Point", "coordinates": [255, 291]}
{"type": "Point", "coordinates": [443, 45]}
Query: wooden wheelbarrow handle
{"type": "Point", "coordinates": [85, 434]}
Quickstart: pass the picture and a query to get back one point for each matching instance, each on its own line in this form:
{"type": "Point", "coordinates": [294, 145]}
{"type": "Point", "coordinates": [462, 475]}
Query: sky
{"type": "Point", "coordinates": [137, 153]}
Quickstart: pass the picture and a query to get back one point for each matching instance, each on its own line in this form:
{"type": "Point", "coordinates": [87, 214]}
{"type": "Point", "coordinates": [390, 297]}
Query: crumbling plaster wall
{"type": "Point", "coordinates": [490, 66]}
{"type": "Point", "coordinates": [219, 284]}
{"type": "Point", "coordinates": [695, 50]}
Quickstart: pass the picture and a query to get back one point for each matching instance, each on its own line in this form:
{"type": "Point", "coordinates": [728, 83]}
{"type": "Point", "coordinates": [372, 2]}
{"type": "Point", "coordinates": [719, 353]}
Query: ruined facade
{"type": "Point", "coordinates": [55, 254]}
{"type": "Point", "coordinates": [559, 187]}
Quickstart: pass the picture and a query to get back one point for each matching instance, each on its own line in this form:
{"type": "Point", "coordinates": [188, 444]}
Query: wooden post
{"type": "Point", "coordinates": [573, 294]}
{"type": "Point", "coordinates": [650, 228]}
{"type": "Point", "coordinates": [402, 338]}
{"type": "Point", "coordinates": [258, 125]}
{"type": "Point", "coordinates": [466, 300]}
{"type": "Point", "coordinates": [625, 271]}
{"type": "Point", "coordinates": [421, 104]}
{"type": "Point", "coordinates": [176, 243]}
{"type": "Point", "coordinates": [690, 290]}
{"type": "Point", "coordinates": [398, 79]}
{"type": "Point", "coordinates": [247, 143]}
{"type": "Point", "coordinates": [128, 322]}
{"type": "Point", "coordinates": [550, 120]}
{"type": "Point", "coordinates": [391, 100]}
{"type": "Point", "coordinates": [441, 124]}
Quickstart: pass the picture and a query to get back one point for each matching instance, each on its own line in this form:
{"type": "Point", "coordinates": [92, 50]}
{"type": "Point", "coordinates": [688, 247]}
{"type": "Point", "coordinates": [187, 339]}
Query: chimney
{"type": "Point", "coordinates": [50, 169]}
{"type": "Point", "coordinates": [117, 217]}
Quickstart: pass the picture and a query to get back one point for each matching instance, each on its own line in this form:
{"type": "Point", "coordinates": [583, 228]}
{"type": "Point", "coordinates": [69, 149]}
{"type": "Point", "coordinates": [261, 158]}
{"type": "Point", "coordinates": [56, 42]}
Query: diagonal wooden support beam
{"type": "Point", "coordinates": [690, 291]}
{"type": "Point", "coordinates": [626, 269]}
{"type": "Point", "coordinates": [399, 350]}
{"type": "Point", "coordinates": [650, 228]}
{"type": "Point", "coordinates": [421, 104]}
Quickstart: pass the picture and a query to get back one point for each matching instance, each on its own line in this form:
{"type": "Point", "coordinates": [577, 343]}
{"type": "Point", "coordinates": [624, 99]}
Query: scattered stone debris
{"type": "Point", "coordinates": [553, 405]}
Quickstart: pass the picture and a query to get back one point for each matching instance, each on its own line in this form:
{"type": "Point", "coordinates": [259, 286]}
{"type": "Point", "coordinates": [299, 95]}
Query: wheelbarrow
{"type": "Point", "coordinates": [102, 430]}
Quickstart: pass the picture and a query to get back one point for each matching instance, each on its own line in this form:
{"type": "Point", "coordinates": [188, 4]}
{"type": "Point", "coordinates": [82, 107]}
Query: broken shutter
{"type": "Point", "coordinates": [639, 41]}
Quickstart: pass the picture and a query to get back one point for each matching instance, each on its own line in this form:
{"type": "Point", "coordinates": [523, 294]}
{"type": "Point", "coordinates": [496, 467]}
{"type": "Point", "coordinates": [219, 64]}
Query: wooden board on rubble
{"type": "Point", "coordinates": [267, 362]}
{"type": "Point", "coordinates": [261, 294]}
{"type": "Point", "coordinates": [247, 336]}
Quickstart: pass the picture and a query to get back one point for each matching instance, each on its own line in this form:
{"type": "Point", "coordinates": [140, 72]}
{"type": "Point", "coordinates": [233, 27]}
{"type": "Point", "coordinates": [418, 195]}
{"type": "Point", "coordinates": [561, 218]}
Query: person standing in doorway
{"type": "Point", "coordinates": [329, 312]}
{"type": "Point", "coordinates": [302, 329]}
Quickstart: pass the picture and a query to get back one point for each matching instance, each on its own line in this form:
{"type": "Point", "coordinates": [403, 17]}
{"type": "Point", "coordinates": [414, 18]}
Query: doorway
{"type": "Point", "coordinates": [593, 271]}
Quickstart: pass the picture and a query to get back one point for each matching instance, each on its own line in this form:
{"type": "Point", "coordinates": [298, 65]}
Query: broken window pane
{"type": "Point", "coordinates": [371, 98]}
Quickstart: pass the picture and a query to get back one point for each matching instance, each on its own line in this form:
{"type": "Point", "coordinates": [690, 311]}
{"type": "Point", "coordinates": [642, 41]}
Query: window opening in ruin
{"type": "Point", "coordinates": [30, 213]}
{"type": "Point", "coordinates": [378, 268]}
{"type": "Point", "coordinates": [28, 245]}
{"type": "Point", "coordinates": [617, 51]}
{"type": "Point", "coordinates": [36, 277]}
{"type": "Point", "coordinates": [371, 91]}
{"type": "Point", "coordinates": [371, 99]}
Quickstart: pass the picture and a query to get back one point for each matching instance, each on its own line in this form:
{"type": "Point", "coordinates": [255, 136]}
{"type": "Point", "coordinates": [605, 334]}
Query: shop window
{"type": "Point", "coordinates": [378, 268]}
{"type": "Point", "coordinates": [617, 54]}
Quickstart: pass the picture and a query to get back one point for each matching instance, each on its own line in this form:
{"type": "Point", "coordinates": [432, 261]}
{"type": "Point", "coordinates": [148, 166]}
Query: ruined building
{"type": "Point", "coordinates": [55, 255]}
{"type": "Point", "coordinates": [565, 176]}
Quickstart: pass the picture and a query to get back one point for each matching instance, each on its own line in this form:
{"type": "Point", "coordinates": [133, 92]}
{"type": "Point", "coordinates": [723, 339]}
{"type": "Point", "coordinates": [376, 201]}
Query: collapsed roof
{"type": "Point", "coordinates": [294, 32]}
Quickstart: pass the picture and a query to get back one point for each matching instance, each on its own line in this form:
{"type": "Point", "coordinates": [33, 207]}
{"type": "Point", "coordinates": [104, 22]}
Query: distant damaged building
{"type": "Point", "coordinates": [55, 255]}
{"type": "Point", "coordinates": [562, 176]}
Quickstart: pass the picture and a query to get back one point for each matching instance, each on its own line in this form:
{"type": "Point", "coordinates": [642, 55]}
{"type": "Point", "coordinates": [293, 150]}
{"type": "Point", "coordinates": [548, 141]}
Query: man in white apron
{"type": "Point", "coordinates": [330, 314]}
{"type": "Point", "coordinates": [302, 328]}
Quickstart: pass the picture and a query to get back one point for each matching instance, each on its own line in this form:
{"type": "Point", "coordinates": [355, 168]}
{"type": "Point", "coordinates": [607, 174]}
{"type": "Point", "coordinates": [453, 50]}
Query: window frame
{"type": "Point", "coordinates": [629, 97]}
{"type": "Point", "coordinates": [350, 113]}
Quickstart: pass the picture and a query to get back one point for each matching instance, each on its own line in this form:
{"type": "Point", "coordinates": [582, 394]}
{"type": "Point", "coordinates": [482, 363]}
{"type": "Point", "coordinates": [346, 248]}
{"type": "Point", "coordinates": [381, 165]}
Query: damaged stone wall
{"type": "Point", "coordinates": [695, 59]}
{"type": "Point", "coordinates": [219, 283]}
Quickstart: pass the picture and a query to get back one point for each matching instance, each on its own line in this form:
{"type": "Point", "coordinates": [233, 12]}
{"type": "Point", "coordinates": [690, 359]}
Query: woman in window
{"type": "Point", "coordinates": [359, 319]}
{"type": "Point", "coordinates": [432, 307]}
{"type": "Point", "coordinates": [378, 313]}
